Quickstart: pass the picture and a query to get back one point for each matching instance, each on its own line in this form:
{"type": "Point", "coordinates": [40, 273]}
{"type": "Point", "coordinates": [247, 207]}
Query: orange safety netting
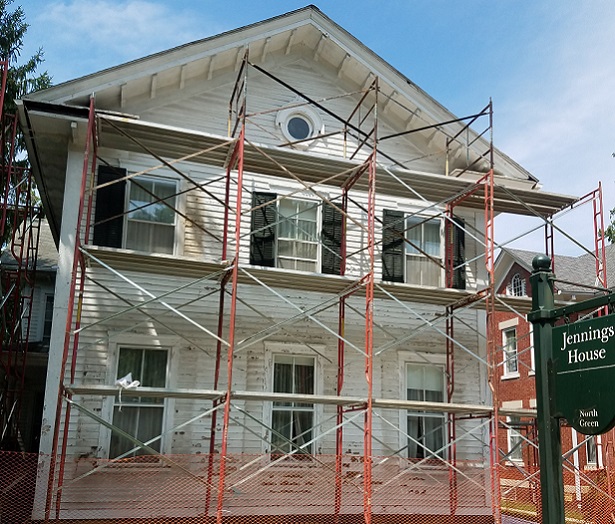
{"type": "Point", "coordinates": [265, 488]}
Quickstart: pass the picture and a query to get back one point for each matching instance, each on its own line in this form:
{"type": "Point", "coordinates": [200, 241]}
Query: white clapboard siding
{"type": "Point", "coordinates": [193, 357]}
{"type": "Point", "coordinates": [207, 110]}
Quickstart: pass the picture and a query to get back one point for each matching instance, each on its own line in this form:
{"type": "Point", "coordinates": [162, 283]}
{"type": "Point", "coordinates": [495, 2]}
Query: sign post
{"type": "Point", "coordinates": [550, 447]}
{"type": "Point", "coordinates": [575, 363]}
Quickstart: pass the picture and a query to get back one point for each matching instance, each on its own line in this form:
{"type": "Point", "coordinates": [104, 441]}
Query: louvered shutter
{"type": "Point", "coordinates": [262, 230]}
{"type": "Point", "coordinates": [393, 246]}
{"type": "Point", "coordinates": [459, 253]}
{"type": "Point", "coordinates": [109, 203]}
{"type": "Point", "coordinates": [332, 232]}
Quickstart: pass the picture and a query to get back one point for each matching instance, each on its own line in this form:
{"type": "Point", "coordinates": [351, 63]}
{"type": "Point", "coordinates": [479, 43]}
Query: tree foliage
{"type": "Point", "coordinates": [22, 78]}
{"type": "Point", "coordinates": [22, 75]}
{"type": "Point", "coordinates": [609, 232]}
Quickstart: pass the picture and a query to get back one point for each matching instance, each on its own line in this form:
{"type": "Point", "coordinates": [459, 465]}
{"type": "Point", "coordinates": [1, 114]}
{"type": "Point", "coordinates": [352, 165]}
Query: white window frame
{"type": "Point", "coordinates": [318, 242]}
{"type": "Point", "coordinates": [178, 204]}
{"type": "Point", "coordinates": [272, 349]}
{"type": "Point", "coordinates": [507, 326]}
{"type": "Point", "coordinates": [306, 113]}
{"type": "Point", "coordinates": [532, 370]}
{"type": "Point", "coordinates": [427, 359]}
{"type": "Point", "coordinates": [420, 256]}
{"type": "Point", "coordinates": [517, 286]}
{"type": "Point", "coordinates": [163, 342]}
{"type": "Point", "coordinates": [591, 463]}
{"type": "Point", "coordinates": [512, 437]}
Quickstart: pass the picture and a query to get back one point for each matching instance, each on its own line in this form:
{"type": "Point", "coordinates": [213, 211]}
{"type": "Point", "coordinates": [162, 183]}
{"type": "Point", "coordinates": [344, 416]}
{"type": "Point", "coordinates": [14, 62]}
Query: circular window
{"type": "Point", "coordinates": [299, 124]}
{"type": "Point", "coordinates": [298, 127]}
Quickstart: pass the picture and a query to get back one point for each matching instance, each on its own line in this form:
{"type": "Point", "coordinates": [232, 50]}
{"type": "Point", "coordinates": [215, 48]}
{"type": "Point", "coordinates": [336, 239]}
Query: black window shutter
{"type": "Point", "coordinates": [262, 230]}
{"type": "Point", "coordinates": [332, 230]}
{"type": "Point", "coordinates": [109, 203]}
{"type": "Point", "coordinates": [393, 227]}
{"type": "Point", "coordinates": [459, 253]}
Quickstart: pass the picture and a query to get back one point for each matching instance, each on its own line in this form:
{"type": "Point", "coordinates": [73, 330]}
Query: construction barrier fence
{"type": "Point", "coordinates": [264, 488]}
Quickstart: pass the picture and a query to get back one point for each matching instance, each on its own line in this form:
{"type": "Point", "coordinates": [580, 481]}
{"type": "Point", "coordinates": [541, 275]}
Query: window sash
{"type": "Point", "coordinates": [517, 286]}
{"type": "Point", "coordinates": [515, 440]}
{"type": "Point", "coordinates": [591, 450]}
{"type": "Point", "coordinates": [150, 223]}
{"type": "Point", "coordinates": [425, 382]}
{"type": "Point", "coordinates": [298, 242]}
{"type": "Point", "coordinates": [292, 423]}
{"type": "Point", "coordinates": [423, 251]}
{"type": "Point", "coordinates": [509, 348]}
{"type": "Point", "coordinates": [141, 417]}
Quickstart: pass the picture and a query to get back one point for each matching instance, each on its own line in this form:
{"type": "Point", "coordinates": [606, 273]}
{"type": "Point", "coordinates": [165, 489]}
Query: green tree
{"type": "Point", "coordinates": [22, 77]}
{"type": "Point", "coordinates": [609, 232]}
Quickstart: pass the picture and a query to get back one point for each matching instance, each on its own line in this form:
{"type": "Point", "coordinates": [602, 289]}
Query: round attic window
{"type": "Point", "coordinates": [299, 124]}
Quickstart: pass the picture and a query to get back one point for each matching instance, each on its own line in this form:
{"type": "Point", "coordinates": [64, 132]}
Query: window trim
{"type": "Point", "coordinates": [532, 370]}
{"type": "Point", "coordinates": [509, 442]}
{"type": "Point", "coordinates": [306, 113]}
{"type": "Point", "coordinates": [291, 349]}
{"type": "Point", "coordinates": [318, 260]}
{"type": "Point", "coordinates": [516, 283]}
{"type": "Point", "coordinates": [506, 374]}
{"type": "Point", "coordinates": [422, 221]}
{"type": "Point", "coordinates": [163, 342]}
{"type": "Point", "coordinates": [592, 464]}
{"type": "Point", "coordinates": [176, 221]}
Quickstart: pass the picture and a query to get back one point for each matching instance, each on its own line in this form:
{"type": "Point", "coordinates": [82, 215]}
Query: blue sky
{"type": "Point", "coordinates": [548, 65]}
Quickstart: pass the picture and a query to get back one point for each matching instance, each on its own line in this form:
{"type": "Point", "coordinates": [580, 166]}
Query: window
{"type": "Point", "coordinates": [413, 249]}
{"type": "Point", "coordinates": [425, 430]}
{"type": "Point", "coordinates": [590, 449]}
{"type": "Point", "coordinates": [299, 127]}
{"type": "Point", "coordinates": [515, 440]}
{"type": "Point", "coordinates": [47, 320]}
{"type": "Point", "coordinates": [516, 286]}
{"type": "Point", "coordinates": [295, 234]}
{"type": "Point", "coordinates": [292, 422]}
{"type": "Point", "coordinates": [423, 251]}
{"type": "Point", "coordinates": [140, 216]}
{"type": "Point", "coordinates": [509, 348]}
{"type": "Point", "coordinates": [141, 417]}
{"type": "Point", "coordinates": [299, 124]}
{"type": "Point", "coordinates": [532, 351]}
{"type": "Point", "coordinates": [150, 222]}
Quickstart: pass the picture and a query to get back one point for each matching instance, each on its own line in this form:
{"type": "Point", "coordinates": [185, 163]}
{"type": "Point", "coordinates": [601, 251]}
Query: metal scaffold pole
{"type": "Point", "coordinates": [369, 317]}
{"type": "Point", "coordinates": [236, 162]}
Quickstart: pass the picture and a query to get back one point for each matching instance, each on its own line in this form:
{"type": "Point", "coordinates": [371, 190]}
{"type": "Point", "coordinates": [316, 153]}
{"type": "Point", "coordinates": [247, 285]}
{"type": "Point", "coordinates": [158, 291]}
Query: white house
{"type": "Point", "coordinates": [272, 230]}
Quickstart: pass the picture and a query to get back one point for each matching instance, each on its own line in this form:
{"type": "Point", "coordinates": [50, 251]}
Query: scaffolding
{"type": "Point", "coordinates": [19, 230]}
{"type": "Point", "coordinates": [220, 480]}
{"type": "Point", "coordinates": [591, 484]}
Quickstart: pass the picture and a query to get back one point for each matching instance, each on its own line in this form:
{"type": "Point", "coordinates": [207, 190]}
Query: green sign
{"type": "Point", "coordinates": [584, 361]}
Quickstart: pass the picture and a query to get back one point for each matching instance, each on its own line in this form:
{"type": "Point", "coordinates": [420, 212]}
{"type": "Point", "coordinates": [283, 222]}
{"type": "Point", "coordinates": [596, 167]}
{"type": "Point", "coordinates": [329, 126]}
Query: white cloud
{"type": "Point", "coordinates": [90, 36]}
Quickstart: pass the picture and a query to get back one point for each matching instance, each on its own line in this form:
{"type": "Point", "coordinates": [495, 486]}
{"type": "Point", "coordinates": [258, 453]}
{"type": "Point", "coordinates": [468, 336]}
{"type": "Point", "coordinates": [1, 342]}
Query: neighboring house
{"type": "Point", "coordinates": [39, 338]}
{"type": "Point", "coordinates": [516, 388]}
{"type": "Point", "coordinates": [284, 314]}
{"type": "Point", "coordinates": [36, 336]}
